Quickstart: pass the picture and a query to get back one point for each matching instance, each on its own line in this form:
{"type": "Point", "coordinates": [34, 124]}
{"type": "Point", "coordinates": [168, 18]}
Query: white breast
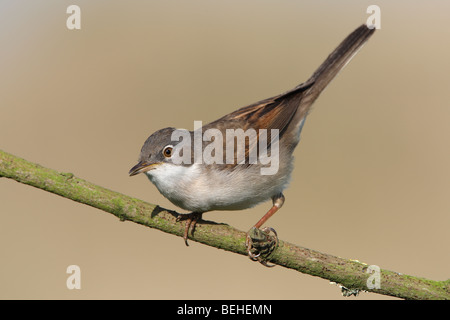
{"type": "Point", "coordinates": [197, 190]}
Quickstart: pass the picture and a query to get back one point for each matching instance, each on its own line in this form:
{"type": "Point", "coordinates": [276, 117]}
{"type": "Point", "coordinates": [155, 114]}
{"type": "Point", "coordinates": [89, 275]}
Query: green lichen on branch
{"type": "Point", "coordinates": [351, 275]}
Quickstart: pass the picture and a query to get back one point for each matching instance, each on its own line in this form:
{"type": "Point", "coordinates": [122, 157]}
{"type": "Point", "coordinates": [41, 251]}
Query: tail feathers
{"type": "Point", "coordinates": [335, 62]}
{"type": "Point", "coordinates": [286, 112]}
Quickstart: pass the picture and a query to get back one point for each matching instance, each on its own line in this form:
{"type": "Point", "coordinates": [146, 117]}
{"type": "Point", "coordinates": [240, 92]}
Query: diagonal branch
{"type": "Point", "coordinates": [350, 274]}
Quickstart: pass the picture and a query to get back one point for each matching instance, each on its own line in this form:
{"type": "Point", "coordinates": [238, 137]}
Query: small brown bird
{"type": "Point", "coordinates": [208, 169]}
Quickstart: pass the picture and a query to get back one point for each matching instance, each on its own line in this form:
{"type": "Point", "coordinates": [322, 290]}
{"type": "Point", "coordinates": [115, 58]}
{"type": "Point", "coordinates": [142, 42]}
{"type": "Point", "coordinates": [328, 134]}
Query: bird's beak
{"type": "Point", "coordinates": [142, 166]}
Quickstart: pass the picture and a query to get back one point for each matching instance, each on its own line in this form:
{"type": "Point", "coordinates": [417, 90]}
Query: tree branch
{"type": "Point", "coordinates": [350, 274]}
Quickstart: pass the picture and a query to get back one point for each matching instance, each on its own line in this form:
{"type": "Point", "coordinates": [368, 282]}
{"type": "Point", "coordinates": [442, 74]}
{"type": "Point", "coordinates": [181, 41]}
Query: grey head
{"type": "Point", "coordinates": [157, 149]}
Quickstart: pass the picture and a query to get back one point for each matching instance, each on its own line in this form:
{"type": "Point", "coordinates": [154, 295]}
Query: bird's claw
{"type": "Point", "coordinates": [261, 244]}
{"type": "Point", "coordinates": [192, 219]}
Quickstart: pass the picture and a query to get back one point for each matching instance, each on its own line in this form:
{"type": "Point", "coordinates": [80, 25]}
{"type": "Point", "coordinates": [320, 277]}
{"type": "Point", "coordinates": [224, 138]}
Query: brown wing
{"type": "Point", "coordinates": [272, 113]}
{"type": "Point", "coordinates": [286, 111]}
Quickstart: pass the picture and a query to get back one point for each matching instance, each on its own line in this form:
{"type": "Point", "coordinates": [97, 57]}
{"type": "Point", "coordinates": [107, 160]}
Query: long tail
{"type": "Point", "coordinates": [287, 111]}
{"type": "Point", "coordinates": [335, 62]}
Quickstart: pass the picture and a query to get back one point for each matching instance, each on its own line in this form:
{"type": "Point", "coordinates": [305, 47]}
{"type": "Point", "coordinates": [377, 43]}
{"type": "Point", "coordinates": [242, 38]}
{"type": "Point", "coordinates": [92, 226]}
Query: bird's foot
{"type": "Point", "coordinates": [191, 221]}
{"type": "Point", "coordinates": [261, 244]}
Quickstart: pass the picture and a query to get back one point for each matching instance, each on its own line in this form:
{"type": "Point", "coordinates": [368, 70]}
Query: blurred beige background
{"type": "Point", "coordinates": [372, 178]}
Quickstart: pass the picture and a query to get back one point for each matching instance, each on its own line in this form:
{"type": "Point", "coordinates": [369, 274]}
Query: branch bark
{"type": "Point", "coordinates": [350, 274]}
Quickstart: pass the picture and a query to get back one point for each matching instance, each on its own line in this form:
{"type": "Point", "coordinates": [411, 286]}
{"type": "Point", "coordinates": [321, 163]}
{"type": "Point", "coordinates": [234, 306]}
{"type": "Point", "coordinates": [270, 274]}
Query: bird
{"type": "Point", "coordinates": [238, 183]}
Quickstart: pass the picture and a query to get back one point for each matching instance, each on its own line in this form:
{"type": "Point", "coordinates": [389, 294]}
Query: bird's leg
{"type": "Point", "coordinates": [278, 202]}
{"type": "Point", "coordinates": [192, 219]}
{"type": "Point", "coordinates": [261, 243]}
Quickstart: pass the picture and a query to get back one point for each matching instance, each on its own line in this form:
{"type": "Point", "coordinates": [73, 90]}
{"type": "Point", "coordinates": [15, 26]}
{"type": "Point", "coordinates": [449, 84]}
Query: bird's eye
{"type": "Point", "coordinates": [167, 152]}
